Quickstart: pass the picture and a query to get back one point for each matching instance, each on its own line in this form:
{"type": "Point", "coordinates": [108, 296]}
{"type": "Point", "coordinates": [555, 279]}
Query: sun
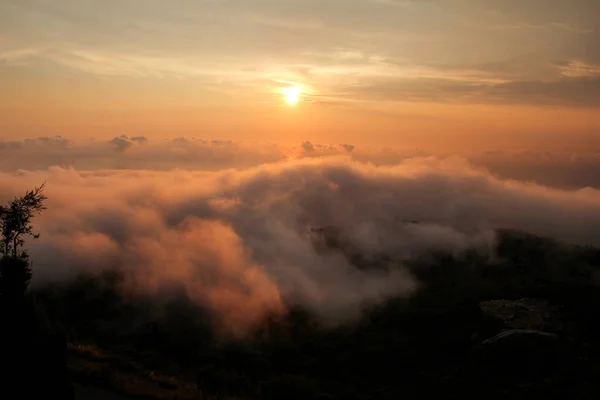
{"type": "Point", "coordinates": [292, 94]}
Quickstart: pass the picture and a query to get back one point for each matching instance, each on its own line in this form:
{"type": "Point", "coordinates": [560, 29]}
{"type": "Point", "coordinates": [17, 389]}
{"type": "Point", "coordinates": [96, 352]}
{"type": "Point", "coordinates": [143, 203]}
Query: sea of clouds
{"type": "Point", "coordinates": [234, 223]}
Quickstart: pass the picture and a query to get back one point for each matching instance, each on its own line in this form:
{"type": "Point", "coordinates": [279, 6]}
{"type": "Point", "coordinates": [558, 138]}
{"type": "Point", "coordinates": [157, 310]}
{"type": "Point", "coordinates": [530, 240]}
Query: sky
{"type": "Point", "coordinates": [456, 75]}
{"type": "Point", "coordinates": [198, 143]}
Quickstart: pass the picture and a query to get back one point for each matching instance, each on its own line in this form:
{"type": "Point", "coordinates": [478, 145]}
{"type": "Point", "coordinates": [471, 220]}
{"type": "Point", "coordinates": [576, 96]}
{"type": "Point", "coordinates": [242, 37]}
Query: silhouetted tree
{"type": "Point", "coordinates": [15, 225]}
{"type": "Point", "coordinates": [35, 360]}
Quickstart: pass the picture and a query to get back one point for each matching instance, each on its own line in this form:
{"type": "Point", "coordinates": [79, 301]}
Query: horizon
{"type": "Point", "coordinates": [300, 199]}
{"type": "Point", "coordinates": [456, 75]}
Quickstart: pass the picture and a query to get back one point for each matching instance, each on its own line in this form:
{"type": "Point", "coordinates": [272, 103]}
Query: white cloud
{"type": "Point", "coordinates": [240, 242]}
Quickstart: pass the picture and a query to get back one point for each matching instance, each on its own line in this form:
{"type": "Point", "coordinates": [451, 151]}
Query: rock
{"type": "Point", "coordinates": [524, 352]}
{"type": "Point", "coordinates": [529, 314]}
{"type": "Point", "coordinates": [519, 334]}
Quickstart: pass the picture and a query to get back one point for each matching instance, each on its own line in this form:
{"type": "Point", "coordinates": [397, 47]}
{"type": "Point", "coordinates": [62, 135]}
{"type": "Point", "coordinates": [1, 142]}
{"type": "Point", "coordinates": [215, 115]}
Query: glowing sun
{"type": "Point", "coordinates": [291, 94]}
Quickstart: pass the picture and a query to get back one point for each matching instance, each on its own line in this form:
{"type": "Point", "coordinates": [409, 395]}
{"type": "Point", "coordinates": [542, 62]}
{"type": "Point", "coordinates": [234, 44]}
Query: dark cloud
{"type": "Point", "coordinates": [44, 142]}
{"type": "Point", "coordinates": [11, 145]}
{"type": "Point", "coordinates": [348, 147]}
{"type": "Point", "coordinates": [589, 45]}
{"type": "Point", "coordinates": [514, 68]}
{"type": "Point", "coordinates": [56, 141]}
{"type": "Point", "coordinates": [181, 140]}
{"type": "Point", "coordinates": [308, 147]}
{"type": "Point", "coordinates": [418, 89]}
{"type": "Point", "coordinates": [139, 139]}
{"type": "Point", "coordinates": [568, 91]}
{"type": "Point", "coordinates": [122, 143]}
{"type": "Point", "coordinates": [581, 91]}
{"type": "Point", "coordinates": [123, 152]}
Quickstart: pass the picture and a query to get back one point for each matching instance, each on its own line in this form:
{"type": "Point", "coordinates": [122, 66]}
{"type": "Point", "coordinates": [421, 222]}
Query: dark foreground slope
{"type": "Point", "coordinates": [521, 325]}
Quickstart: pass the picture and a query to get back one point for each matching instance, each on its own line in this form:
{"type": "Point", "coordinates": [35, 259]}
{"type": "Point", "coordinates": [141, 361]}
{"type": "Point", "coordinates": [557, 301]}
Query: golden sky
{"type": "Point", "coordinates": [423, 73]}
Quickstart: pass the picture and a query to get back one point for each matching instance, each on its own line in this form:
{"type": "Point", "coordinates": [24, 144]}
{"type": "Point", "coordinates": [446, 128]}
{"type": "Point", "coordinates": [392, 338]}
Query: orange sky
{"type": "Point", "coordinates": [454, 74]}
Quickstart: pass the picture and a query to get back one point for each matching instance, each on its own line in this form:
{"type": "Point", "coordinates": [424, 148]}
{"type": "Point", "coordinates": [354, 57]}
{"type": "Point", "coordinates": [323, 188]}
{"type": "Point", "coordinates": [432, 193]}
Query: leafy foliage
{"type": "Point", "coordinates": [15, 226]}
{"type": "Point", "coordinates": [34, 360]}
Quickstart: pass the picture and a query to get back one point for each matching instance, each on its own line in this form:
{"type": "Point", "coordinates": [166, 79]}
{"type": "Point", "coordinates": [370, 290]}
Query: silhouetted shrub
{"type": "Point", "coordinates": [15, 225]}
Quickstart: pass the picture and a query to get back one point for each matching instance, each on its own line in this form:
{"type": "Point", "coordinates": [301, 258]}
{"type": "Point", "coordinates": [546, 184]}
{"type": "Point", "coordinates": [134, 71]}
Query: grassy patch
{"type": "Point", "coordinates": [91, 365]}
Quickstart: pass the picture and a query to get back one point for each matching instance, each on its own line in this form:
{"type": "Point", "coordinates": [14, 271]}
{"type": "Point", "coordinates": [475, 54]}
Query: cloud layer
{"type": "Point", "coordinates": [241, 242]}
{"type": "Point", "coordinates": [565, 170]}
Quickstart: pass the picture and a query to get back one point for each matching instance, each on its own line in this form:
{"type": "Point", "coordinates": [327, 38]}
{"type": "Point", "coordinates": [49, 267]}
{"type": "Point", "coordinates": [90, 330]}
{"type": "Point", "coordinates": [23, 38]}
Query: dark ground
{"type": "Point", "coordinates": [442, 343]}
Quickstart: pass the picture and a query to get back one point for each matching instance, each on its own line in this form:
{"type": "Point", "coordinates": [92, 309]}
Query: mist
{"type": "Point", "coordinates": [242, 242]}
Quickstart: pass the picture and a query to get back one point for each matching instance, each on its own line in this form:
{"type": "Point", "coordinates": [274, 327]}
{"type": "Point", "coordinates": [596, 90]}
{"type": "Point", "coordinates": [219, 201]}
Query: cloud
{"type": "Point", "coordinates": [568, 170]}
{"type": "Point", "coordinates": [579, 69]}
{"type": "Point", "coordinates": [408, 42]}
{"type": "Point", "coordinates": [308, 147]}
{"type": "Point", "coordinates": [121, 143]}
{"type": "Point", "coordinates": [565, 170]}
{"type": "Point", "coordinates": [221, 142]}
{"type": "Point", "coordinates": [12, 145]}
{"type": "Point", "coordinates": [123, 152]}
{"type": "Point", "coordinates": [577, 85]}
{"type": "Point", "coordinates": [348, 147]}
{"type": "Point", "coordinates": [180, 140]}
{"type": "Point", "coordinates": [241, 242]}
{"type": "Point", "coordinates": [43, 142]}
{"type": "Point", "coordinates": [139, 139]}
{"type": "Point", "coordinates": [583, 90]}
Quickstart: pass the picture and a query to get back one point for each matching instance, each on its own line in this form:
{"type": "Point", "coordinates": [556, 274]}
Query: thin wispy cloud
{"type": "Point", "coordinates": [233, 42]}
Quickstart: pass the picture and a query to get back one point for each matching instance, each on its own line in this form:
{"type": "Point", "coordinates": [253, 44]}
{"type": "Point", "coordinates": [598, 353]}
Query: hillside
{"type": "Point", "coordinates": [443, 342]}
